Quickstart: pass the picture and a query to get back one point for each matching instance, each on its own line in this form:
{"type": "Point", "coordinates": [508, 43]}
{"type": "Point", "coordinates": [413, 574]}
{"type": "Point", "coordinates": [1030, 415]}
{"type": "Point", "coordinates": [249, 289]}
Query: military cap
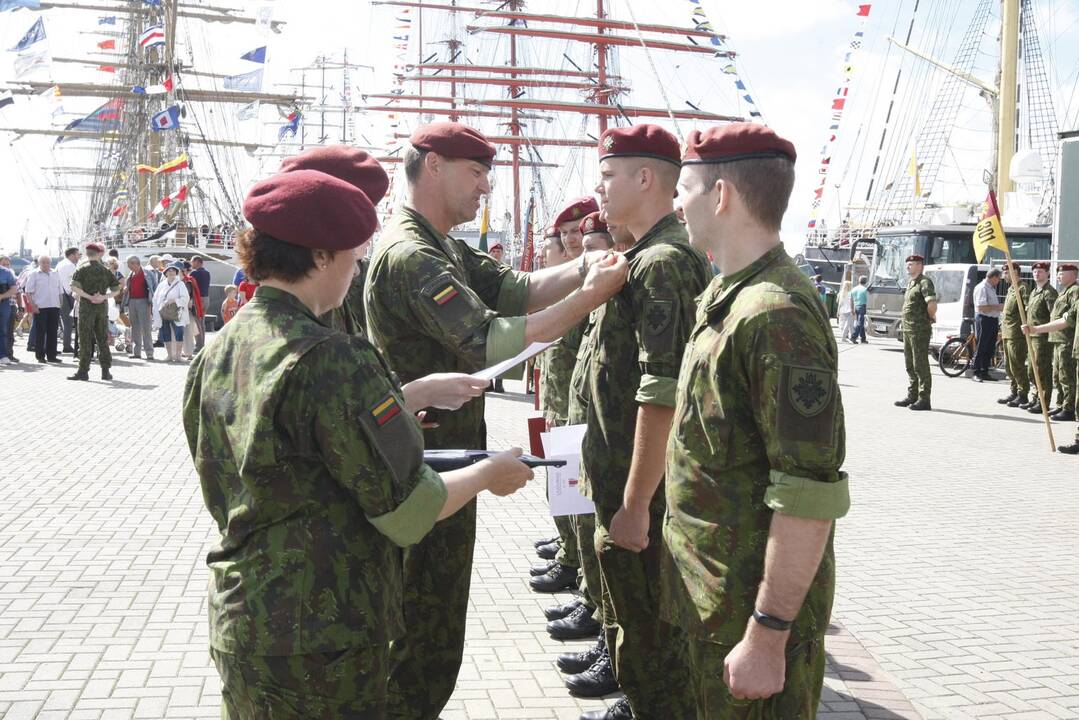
{"type": "Point", "coordinates": [496, 246]}
{"type": "Point", "coordinates": [1040, 266]}
{"type": "Point", "coordinates": [311, 209]}
{"type": "Point", "coordinates": [650, 141]}
{"type": "Point", "coordinates": [454, 140]}
{"type": "Point", "coordinates": [1065, 267]}
{"type": "Point", "coordinates": [552, 231]}
{"type": "Point", "coordinates": [577, 209]}
{"type": "Point", "coordinates": [915, 258]}
{"type": "Point", "coordinates": [95, 247]}
{"type": "Point", "coordinates": [593, 223]}
{"type": "Point", "coordinates": [737, 141]}
{"type": "Point", "coordinates": [354, 166]}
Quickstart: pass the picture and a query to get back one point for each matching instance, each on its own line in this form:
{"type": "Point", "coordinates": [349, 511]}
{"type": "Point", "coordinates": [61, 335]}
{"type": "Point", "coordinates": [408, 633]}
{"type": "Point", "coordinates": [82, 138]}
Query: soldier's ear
{"type": "Point", "coordinates": [723, 194]}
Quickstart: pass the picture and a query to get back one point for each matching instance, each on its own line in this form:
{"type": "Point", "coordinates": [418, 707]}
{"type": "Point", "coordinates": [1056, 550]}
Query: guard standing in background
{"type": "Point", "coordinates": [1061, 330]}
{"type": "Point", "coordinates": [1015, 343]}
{"type": "Point", "coordinates": [1039, 312]}
{"type": "Point", "coordinates": [919, 314]}
{"type": "Point", "coordinates": [90, 283]}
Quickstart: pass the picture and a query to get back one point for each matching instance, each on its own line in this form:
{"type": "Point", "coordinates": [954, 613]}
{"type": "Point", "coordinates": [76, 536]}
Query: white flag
{"type": "Point", "coordinates": [250, 111]}
{"type": "Point", "coordinates": [28, 62]}
{"type": "Point", "coordinates": [264, 19]}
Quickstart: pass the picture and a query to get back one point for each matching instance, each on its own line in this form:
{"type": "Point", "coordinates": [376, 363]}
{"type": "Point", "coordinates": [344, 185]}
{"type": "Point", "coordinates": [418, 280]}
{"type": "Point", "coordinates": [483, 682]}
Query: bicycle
{"type": "Point", "coordinates": [957, 354]}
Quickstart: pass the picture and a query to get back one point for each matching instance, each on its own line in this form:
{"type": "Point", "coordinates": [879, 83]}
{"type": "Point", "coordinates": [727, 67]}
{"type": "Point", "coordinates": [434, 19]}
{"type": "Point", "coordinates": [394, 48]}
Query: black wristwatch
{"type": "Point", "coordinates": [773, 623]}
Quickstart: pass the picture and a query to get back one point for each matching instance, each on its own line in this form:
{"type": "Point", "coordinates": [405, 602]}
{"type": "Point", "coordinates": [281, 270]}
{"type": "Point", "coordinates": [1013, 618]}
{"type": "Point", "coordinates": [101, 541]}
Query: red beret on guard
{"type": "Point", "coordinates": [312, 210]}
{"type": "Point", "coordinates": [496, 245]}
{"type": "Point", "coordinates": [1066, 267]}
{"type": "Point", "coordinates": [552, 232]}
{"type": "Point", "coordinates": [355, 167]}
{"type": "Point", "coordinates": [577, 209]}
{"type": "Point", "coordinates": [915, 258]}
{"type": "Point", "coordinates": [1040, 266]}
{"type": "Point", "coordinates": [593, 224]}
{"type": "Point", "coordinates": [737, 141]}
{"type": "Point", "coordinates": [454, 140]}
{"type": "Point", "coordinates": [649, 141]}
{"type": "Point", "coordinates": [96, 247]}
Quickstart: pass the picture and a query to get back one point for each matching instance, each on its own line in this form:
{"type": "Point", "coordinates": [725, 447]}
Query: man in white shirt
{"type": "Point", "coordinates": [42, 289]}
{"type": "Point", "coordinates": [987, 309]}
{"type": "Point", "coordinates": [65, 269]}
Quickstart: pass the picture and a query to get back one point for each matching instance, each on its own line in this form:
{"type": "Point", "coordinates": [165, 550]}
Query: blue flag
{"type": "Point", "coordinates": [258, 55]}
{"type": "Point", "coordinates": [16, 4]}
{"type": "Point", "coordinates": [110, 20]}
{"type": "Point", "coordinates": [35, 34]}
{"type": "Point", "coordinates": [168, 119]}
{"type": "Point", "coordinates": [248, 82]}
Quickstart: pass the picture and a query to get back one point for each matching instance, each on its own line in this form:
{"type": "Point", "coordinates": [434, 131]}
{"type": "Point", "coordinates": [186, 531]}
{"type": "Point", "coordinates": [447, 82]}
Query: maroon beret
{"type": "Point", "coordinates": [1040, 266]}
{"type": "Point", "coordinates": [95, 246]}
{"type": "Point", "coordinates": [354, 166]}
{"type": "Point", "coordinates": [453, 140]}
{"type": "Point", "coordinates": [577, 209]}
{"type": "Point", "coordinates": [737, 141]}
{"type": "Point", "coordinates": [649, 141]}
{"type": "Point", "coordinates": [311, 209]}
{"type": "Point", "coordinates": [552, 232]}
{"type": "Point", "coordinates": [1066, 267]}
{"type": "Point", "coordinates": [915, 258]}
{"type": "Point", "coordinates": [593, 223]}
{"type": "Point", "coordinates": [496, 245]}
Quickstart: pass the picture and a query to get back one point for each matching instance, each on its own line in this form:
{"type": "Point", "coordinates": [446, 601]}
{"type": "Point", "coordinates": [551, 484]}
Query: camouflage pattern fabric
{"type": "Point", "coordinates": [306, 456]}
{"type": "Point", "coordinates": [93, 277]}
{"type": "Point", "coordinates": [1039, 309]}
{"type": "Point", "coordinates": [801, 689]}
{"type": "Point", "coordinates": [917, 331]}
{"type": "Point", "coordinates": [1063, 342]}
{"type": "Point", "coordinates": [1015, 343]}
{"type": "Point", "coordinates": [758, 406]}
{"type": "Point", "coordinates": [585, 525]}
{"type": "Point", "coordinates": [430, 301]}
{"type": "Point", "coordinates": [633, 358]}
{"type": "Point", "coordinates": [351, 318]}
{"type": "Point", "coordinates": [345, 685]}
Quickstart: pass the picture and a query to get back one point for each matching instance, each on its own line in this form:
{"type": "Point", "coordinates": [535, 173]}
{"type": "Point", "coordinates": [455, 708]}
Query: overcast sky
{"type": "Point", "coordinates": [790, 57]}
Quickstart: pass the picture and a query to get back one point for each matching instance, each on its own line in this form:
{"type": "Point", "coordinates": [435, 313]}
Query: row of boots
{"type": "Point", "coordinates": [1033, 405]}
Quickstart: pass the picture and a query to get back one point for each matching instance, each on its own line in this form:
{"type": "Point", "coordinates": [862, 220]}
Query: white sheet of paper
{"type": "Point", "coordinates": [565, 440]}
{"type": "Point", "coordinates": [495, 370]}
{"type": "Point", "coordinates": [563, 484]}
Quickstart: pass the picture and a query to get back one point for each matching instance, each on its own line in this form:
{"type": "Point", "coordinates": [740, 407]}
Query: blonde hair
{"type": "Point", "coordinates": [230, 289]}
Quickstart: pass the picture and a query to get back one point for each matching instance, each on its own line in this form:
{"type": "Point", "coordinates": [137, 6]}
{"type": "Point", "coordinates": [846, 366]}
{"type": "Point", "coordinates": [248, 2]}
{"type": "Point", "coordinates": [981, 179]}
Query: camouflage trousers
{"type": "Point", "coordinates": [1043, 368]}
{"type": "Point", "coordinates": [568, 552]}
{"type": "Point", "coordinates": [584, 527]}
{"type": "Point", "coordinates": [649, 655]}
{"type": "Point", "coordinates": [1015, 358]}
{"type": "Point", "coordinates": [94, 330]}
{"type": "Point", "coordinates": [345, 685]}
{"type": "Point", "coordinates": [1064, 369]}
{"type": "Point", "coordinates": [916, 353]}
{"type": "Point", "coordinates": [801, 688]}
{"type": "Point", "coordinates": [424, 662]}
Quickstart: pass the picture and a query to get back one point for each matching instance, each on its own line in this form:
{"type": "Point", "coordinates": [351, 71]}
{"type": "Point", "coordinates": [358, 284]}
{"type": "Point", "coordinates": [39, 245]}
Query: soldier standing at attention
{"type": "Point", "coordinates": [568, 222]}
{"type": "Point", "coordinates": [753, 463]}
{"type": "Point", "coordinates": [89, 283]}
{"type": "Point", "coordinates": [311, 469]}
{"type": "Point", "coordinates": [919, 314]}
{"type": "Point", "coordinates": [1015, 343]}
{"type": "Point", "coordinates": [1039, 311]}
{"type": "Point", "coordinates": [631, 371]}
{"type": "Point", "coordinates": [434, 303]}
{"type": "Point", "coordinates": [1062, 336]}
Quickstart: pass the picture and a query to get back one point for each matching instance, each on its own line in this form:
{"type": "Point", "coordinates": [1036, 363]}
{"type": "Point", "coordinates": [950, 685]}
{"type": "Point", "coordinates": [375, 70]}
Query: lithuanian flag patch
{"type": "Point", "coordinates": [444, 295]}
{"type": "Point", "coordinates": [385, 411]}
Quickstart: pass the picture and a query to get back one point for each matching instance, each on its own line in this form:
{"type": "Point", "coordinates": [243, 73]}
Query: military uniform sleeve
{"type": "Point", "coordinates": [663, 303]}
{"type": "Point", "coordinates": [792, 377]}
{"type": "Point", "coordinates": [369, 442]}
{"type": "Point", "coordinates": [76, 279]}
{"type": "Point", "coordinates": [929, 290]}
{"type": "Point", "coordinates": [455, 315]}
{"type": "Point", "coordinates": [498, 285]}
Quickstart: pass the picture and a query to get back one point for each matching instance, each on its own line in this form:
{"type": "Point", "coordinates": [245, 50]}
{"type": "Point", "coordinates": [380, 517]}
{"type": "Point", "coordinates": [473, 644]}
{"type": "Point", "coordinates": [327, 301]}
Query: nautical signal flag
{"type": "Point", "coordinates": [171, 166]}
{"type": "Point", "coordinates": [119, 211]}
{"type": "Point", "coordinates": [107, 45]}
{"type": "Point", "coordinates": [34, 35]}
{"type": "Point", "coordinates": [989, 233]}
{"type": "Point", "coordinates": [177, 197]}
{"type": "Point", "coordinates": [167, 119]}
{"type": "Point", "coordinates": [152, 36]}
{"type": "Point", "coordinates": [258, 55]}
{"type": "Point", "coordinates": [165, 87]}
{"type": "Point", "coordinates": [863, 10]}
{"type": "Point", "coordinates": [110, 20]}
{"type": "Point", "coordinates": [16, 4]}
{"type": "Point", "coordinates": [107, 68]}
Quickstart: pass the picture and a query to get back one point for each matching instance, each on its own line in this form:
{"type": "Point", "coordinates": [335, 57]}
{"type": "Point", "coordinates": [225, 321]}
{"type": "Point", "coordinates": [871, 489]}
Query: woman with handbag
{"type": "Point", "coordinates": [170, 313]}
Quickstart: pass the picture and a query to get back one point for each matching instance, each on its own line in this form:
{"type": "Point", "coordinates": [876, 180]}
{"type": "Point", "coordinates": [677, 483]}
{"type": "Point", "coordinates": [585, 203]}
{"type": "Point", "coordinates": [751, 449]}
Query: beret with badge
{"type": "Point", "coordinates": [577, 209]}
{"type": "Point", "coordinates": [736, 141]}
{"type": "Point", "coordinates": [649, 141]}
{"type": "Point", "coordinates": [915, 258]}
{"type": "Point", "coordinates": [593, 223]}
{"type": "Point", "coordinates": [354, 166]}
{"type": "Point", "coordinates": [455, 141]}
{"type": "Point", "coordinates": [1040, 266]}
{"type": "Point", "coordinates": [1066, 267]}
{"type": "Point", "coordinates": [95, 247]}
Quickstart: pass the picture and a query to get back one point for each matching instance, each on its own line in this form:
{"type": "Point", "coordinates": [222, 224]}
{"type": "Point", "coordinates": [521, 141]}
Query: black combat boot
{"type": "Point", "coordinates": [544, 541]}
{"type": "Point", "coordinates": [905, 402]}
{"type": "Point", "coordinates": [572, 663]}
{"type": "Point", "coordinates": [578, 624]}
{"type": "Point", "coordinates": [559, 577]}
{"type": "Point", "coordinates": [596, 681]}
{"type": "Point", "coordinates": [542, 569]}
{"type": "Point", "coordinates": [1006, 400]}
{"type": "Point", "coordinates": [557, 612]}
{"type": "Point", "coordinates": [105, 374]}
{"type": "Point", "coordinates": [548, 551]}
{"type": "Point", "coordinates": [79, 375]}
{"type": "Point", "coordinates": [921, 405]}
{"type": "Point", "coordinates": [1065, 416]}
{"type": "Point", "coordinates": [1019, 401]}
{"type": "Point", "coordinates": [1072, 449]}
{"type": "Point", "coordinates": [619, 711]}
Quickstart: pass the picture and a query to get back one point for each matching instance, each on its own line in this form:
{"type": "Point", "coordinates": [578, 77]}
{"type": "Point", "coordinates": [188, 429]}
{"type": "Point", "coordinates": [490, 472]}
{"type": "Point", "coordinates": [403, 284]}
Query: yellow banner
{"type": "Point", "coordinates": [989, 232]}
{"type": "Point", "coordinates": [171, 166]}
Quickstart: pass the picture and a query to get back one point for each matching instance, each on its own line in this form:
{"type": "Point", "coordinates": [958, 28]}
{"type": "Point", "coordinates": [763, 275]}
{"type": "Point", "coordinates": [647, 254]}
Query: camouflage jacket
{"type": "Point", "coordinates": [314, 474]}
{"type": "Point", "coordinates": [93, 277]}
{"type": "Point", "coordinates": [1040, 308]}
{"type": "Point", "coordinates": [1011, 325]}
{"type": "Point", "coordinates": [758, 427]}
{"type": "Point", "coordinates": [635, 351]}
{"type": "Point", "coordinates": [351, 318]}
{"type": "Point", "coordinates": [1064, 302]}
{"type": "Point", "coordinates": [557, 373]}
{"type": "Point", "coordinates": [920, 292]}
{"type": "Point", "coordinates": [577, 403]}
{"type": "Point", "coordinates": [434, 304]}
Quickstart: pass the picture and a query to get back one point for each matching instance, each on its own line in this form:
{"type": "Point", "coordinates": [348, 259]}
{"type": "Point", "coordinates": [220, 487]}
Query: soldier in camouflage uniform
{"type": "Point", "coordinates": [312, 470]}
{"type": "Point", "coordinates": [91, 280]}
{"type": "Point", "coordinates": [1039, 311]}
{"type": "Point", "coordinates": [753, 463]}
{"type": "Point", "coordinates": [1062, 336]}
{"type": "Point", "coordinates": [632, 366]}
{"type": "Point", "coordinates": [919, 314]}
{"type": "Point", "coordinates": [434, 303]}
{"type": "Point", "coordinates": [1015, 343]}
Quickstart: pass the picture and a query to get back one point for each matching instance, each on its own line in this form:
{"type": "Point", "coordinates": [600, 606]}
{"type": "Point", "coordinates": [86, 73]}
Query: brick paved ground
{"type": "Point", "coordinates": [957, 592]}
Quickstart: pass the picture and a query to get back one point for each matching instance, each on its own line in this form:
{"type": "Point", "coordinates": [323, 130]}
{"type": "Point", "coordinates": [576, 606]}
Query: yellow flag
{"type": "Point", "coordinates": [912, 170]}
{"type": "Point", "coordinates": [989, 232]}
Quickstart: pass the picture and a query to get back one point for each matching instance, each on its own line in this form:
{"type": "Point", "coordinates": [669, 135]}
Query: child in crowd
{"type": "Point", "coordinates": [231, 304]}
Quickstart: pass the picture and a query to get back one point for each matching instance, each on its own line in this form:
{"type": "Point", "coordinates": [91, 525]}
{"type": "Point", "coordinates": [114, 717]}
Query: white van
{"type": "Point", "coordinates": [955, 283]}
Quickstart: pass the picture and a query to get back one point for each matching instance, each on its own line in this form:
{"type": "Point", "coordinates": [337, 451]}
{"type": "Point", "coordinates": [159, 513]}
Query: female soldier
{"type": "Point", "coordinates": [312, 469]}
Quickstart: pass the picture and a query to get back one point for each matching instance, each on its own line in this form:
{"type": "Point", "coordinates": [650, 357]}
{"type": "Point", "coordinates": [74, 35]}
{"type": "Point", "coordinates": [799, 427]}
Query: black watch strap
{"type": "Point", "coordinates": [771, 622]}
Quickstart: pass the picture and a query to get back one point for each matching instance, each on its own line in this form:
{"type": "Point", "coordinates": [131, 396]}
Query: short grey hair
{"type": "Point", "coordinates": [994, 273]}
{"type": "Point", "coordinates": [136, 258]}
{"type": "Point", "coordinates": [413, 162]}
